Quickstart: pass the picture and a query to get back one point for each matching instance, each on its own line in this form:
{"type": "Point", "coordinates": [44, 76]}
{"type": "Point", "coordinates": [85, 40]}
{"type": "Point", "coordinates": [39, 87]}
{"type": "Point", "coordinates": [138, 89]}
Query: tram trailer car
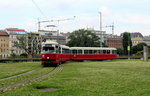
{"type": "Point", "coordinates": [53, 54]}
{"type": "Point", "coordinates": [93, 53]}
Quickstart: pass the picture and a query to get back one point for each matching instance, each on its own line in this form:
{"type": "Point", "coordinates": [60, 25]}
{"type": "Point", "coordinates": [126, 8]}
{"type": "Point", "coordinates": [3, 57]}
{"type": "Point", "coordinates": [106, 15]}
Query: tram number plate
{"type": "Point", "coordinates": [48, 45]}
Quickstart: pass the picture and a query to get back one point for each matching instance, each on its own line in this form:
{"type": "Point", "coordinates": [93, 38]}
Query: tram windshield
{"type": "Point", "coordinates": [48, 49]}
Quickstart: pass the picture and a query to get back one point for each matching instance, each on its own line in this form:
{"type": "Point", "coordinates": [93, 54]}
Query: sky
{"type": "Point", "coordinates": [127, 15]}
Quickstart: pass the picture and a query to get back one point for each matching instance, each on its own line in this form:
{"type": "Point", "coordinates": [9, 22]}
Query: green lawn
{"type": "Point", "coordinates": [10, 69]}
{"type": "Point", "coordinates": [106, 78]}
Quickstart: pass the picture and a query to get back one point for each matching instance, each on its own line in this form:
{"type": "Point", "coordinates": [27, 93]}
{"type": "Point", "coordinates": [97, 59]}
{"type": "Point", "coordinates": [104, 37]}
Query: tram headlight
{"type": "Point", "coordinates": [47, 57]}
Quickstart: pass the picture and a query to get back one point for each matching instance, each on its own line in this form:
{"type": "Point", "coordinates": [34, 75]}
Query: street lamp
{"type": "Point", "coordinates": [101, 33]}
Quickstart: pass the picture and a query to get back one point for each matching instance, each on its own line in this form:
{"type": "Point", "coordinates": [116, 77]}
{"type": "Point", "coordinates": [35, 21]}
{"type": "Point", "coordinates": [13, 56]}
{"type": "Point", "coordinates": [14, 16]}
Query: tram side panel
{"type": "Point", "coordinates": [79, 57]}
{"type": "Point", "coordinates": [93, 53]}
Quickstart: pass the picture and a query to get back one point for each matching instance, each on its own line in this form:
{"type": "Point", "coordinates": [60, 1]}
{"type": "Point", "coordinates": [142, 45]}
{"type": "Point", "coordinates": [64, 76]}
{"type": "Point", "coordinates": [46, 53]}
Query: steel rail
{"type": "Point", "coordinates": [31, 80]}
{"type": "Point", "coordinates": [22, 74]}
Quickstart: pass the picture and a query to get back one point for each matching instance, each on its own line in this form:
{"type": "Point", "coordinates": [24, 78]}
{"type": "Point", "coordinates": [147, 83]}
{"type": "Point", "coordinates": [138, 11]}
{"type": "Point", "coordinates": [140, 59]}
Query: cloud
{"type": "Point", "coordinates": [135, 19]}
{"type": "Point", "coordinates": [105, 10]}
{"type": "Point", "coordinates": [15, 4]}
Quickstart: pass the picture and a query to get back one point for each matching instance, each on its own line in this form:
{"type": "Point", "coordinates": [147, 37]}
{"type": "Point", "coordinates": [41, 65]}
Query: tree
{"type": "Point", "coordinates": [127, 43]}
{"type": "Point", "coordinates": [120, 51]}
{"type": "Point", "coordinates": [138, 47]}
{"type": "Point", "coordinates": [83, 38]}
{"type": "Point", "coordinates": [28, 43]}
{"type": "Point", "coordinates": [21, 43]}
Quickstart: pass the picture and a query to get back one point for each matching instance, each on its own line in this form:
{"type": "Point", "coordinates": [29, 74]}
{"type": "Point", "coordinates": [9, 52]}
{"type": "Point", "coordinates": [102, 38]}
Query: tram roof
{"type": "Point", "coordinates": [50, 42]}
{"type": "Point", "coordinates": [92, 48]}
{"type": "Point", "coordinates": [64, 46]}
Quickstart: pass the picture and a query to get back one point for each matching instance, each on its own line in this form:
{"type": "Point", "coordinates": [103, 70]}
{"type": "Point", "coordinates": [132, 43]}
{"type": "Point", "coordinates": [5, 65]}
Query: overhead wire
{"type": "Point", "coordinates": [38, 8]}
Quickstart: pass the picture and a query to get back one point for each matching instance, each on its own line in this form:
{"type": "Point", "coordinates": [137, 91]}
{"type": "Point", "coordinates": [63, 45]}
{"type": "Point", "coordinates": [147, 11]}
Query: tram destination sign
{"type": "Point", "coordinates": [48, 45]}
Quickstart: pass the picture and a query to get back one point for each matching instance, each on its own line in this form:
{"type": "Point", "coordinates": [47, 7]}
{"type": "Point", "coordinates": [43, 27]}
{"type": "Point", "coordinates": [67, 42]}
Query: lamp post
{"type": "Point", "coordinates": [101, 33]}
{"type": "Point", "coordinates": [129, 47]}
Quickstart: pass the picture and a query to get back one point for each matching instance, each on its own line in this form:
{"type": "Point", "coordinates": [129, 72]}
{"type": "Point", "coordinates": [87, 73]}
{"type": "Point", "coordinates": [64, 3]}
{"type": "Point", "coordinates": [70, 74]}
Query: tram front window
{"type": "Point", "coordinates": [48, 50]}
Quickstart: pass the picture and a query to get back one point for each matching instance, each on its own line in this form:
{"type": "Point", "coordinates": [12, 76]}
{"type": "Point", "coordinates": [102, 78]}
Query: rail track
{"type": "Point", "coordinates": [22, 74]}
{"type": "Point", "coordinates": [31, 80]}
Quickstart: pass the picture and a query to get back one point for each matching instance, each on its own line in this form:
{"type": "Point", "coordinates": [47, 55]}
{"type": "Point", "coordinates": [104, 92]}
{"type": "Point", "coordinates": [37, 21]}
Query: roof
{"type": "Point", "coordinates": [47, 31]}
{"type": "Point", "coordinates": [92, 48]}
{"type": "Point", "coordinates": [64, 46]}
{"type": "Point", "coordinates": [50, 42]}
{"type": "Point", "coordinates": [146, 38]}
{"type": "Point", "coordinates": [3, 33]}
{"type": "Point", "coordinates": [15, 29]}
{"type": "Point", "coordinates": [136, 34]}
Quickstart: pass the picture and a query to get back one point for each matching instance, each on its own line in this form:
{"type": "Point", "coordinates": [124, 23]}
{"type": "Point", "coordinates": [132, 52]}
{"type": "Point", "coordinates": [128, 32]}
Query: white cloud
{"type": "Point", "coordinates": [135, 19]}
{"type": "Point", "coordinates": [105, 10]}
{"type": "Point", "coordinates": [15, 4]}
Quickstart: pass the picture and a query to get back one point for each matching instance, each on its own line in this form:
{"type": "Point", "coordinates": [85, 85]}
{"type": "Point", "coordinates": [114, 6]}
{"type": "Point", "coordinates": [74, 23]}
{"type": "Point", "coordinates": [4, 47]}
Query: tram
{"type": "Point", "coordinates": [93, 53]}
{"type": "Point", "coordinates": [53, 53]}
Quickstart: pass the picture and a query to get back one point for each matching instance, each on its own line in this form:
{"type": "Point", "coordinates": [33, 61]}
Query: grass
{"type": "Point", "coordinates": [107, 78]}
{"type": "Point", "coordinates": [10, 69]}
{"type": "Point", "coordinates": [25, 77]}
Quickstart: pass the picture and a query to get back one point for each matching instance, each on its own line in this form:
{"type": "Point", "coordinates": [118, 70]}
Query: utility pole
{"type": "Point", "coordinates": [112, 26]}
{"type": "Point", "coordinates": [129, 47]}
{"type": "Point", "coordinates": [101, 33]}
{"type": "Point", "coordinates": [39, 27]}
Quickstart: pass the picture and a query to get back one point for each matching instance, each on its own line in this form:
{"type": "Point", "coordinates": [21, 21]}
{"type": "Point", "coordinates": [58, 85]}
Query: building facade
{"type": "Point", "coordinates": [52, 35]}
{"type": "Point", "coordinates": [114, 41]}
{"type": "Point", "coordinates": [146, 39]}
{"type": "Point", "coordinates": [13, 34]}
{"type": "Point", "coordinates": [34, 43]}
{"type": "Point", "coordinates": [100, 34]}
{"type": "Point", "coordinates": [136, 38]}
{"type": "Point", "coordinates": [4, 44]}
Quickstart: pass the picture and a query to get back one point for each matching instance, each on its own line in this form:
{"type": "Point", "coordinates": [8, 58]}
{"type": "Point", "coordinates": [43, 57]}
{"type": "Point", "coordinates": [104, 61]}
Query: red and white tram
{"type": "Point", "coordinates": [93, 53]}
{"type": "Point", "coordinates": [54, 53]}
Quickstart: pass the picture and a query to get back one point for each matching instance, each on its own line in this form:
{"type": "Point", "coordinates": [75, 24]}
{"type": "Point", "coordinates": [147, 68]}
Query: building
{"type": "Point", "coordinates": [34, 43]}
{"type": "Point", "coordinates": [146, 39]}
{"type": "Point", "coordinates": [100, 34]}
{"type": "Point", "coordinates": [114, 41]}
{"type": "Point", "coordinates": [4, 44]}
{"type": "Point", "coordinates": [13, 34]}
{"type": "Point", "coordinates": [136, 38]}
{"type": "Point", "coordinates": [52, 35]}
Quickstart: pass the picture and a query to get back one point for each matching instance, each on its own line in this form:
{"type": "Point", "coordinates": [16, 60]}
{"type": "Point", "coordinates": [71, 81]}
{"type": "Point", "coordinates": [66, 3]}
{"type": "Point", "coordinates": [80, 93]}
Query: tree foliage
{"type": "Point", "coordinates": [83, 38]}
{"type": "Point", "coordinates": [26, 44]}
{"type": "Point", "coordinates": [126, 42]}
{"type": "Point", "coordinates": [120, 51]}
{"type": "Point", "coordinates": [21, 43]}
{"type": "Point", "coordinates": [138, 47]}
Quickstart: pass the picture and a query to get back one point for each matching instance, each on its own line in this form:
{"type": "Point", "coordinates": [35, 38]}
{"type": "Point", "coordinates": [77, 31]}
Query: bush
{"type": "Point", "coordinates": [23, 55]}
{"type": "Point", "coordinates": [120, 51]}
{"type": "Point", "coordinates": [139, 53]}
{"type": "Point", "coordinates": [13, 55]}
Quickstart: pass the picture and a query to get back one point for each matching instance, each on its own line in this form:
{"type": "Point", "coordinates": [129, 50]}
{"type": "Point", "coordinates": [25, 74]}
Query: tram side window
{"type": "Point", "coordinates": [65, 51]}
{"type": "Point", "coordinates": [100, 51]}
{"type": "Point", "coordinates": [95, 51]}
{"type": "Point", "coordinates": [114, 52]}
{"type": "Point", "coordinates": [104, 52]}
{"type": "Point", "coordinates": [57, 49]}
{"type": "Point", "coordinates": [108, 51]}
{"type": "Point", "coordinates": [74, 51]}
{"type": "Point", "coordinates": [79, 51]}
{"type": "Point", "coordinates": [86, 52]}
{"type": "Point", "coordinates": [90, 51]}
